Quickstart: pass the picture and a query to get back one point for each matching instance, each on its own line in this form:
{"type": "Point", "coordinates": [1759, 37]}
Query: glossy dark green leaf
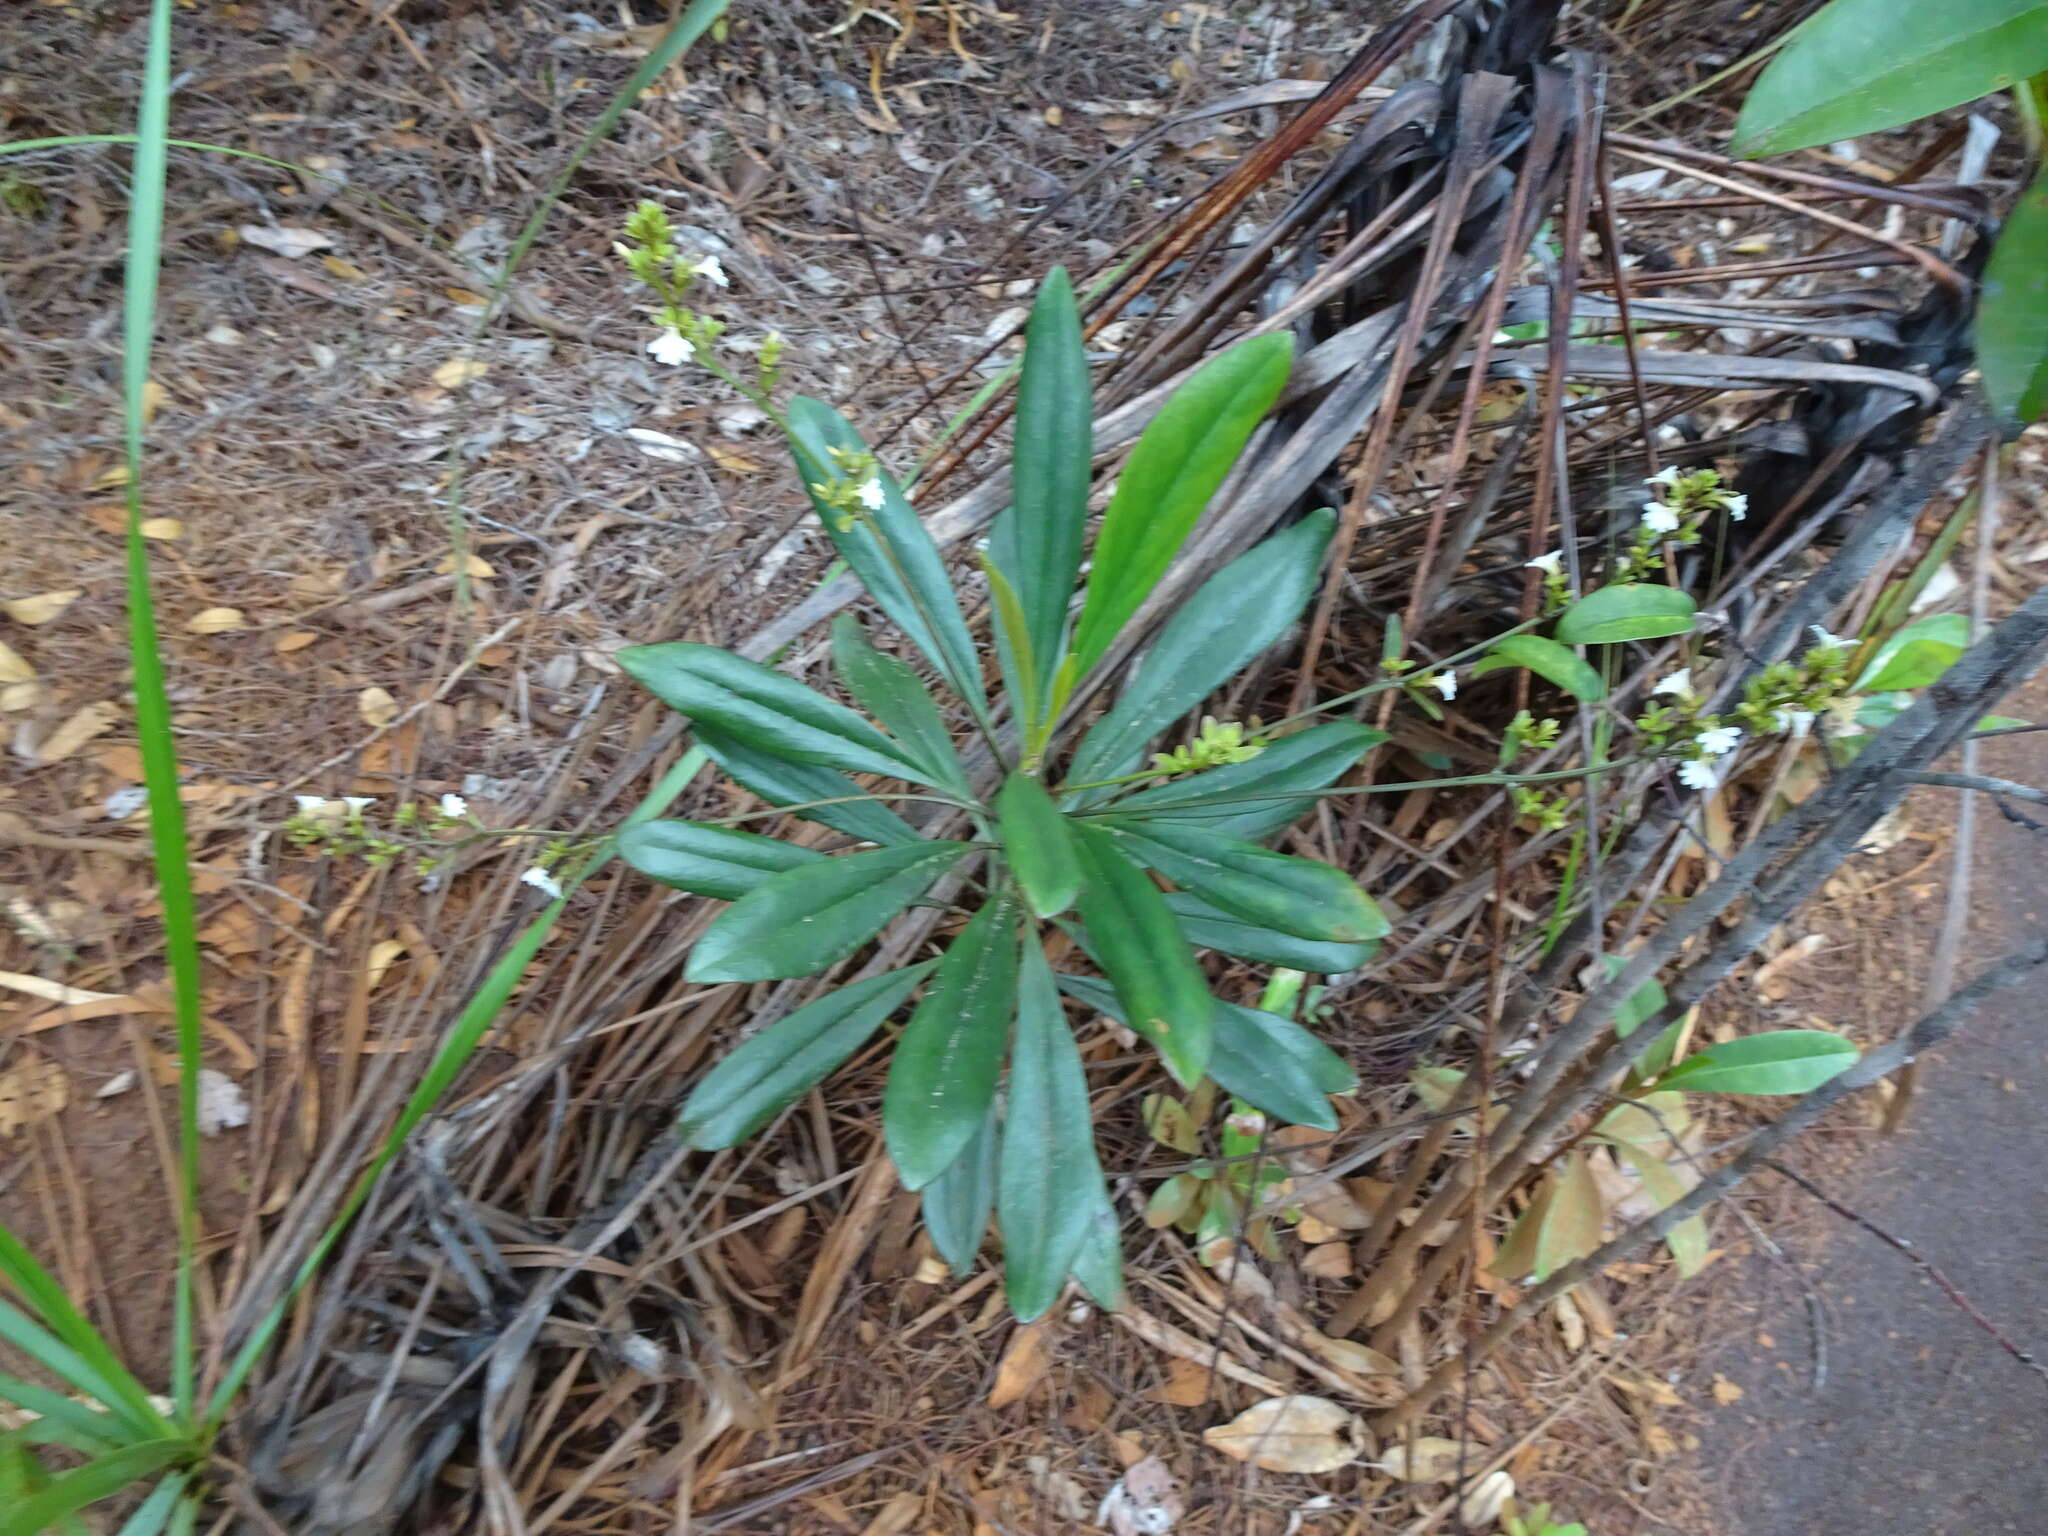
{"type": "Point", "coordinates": [1210, 927]}
{"type": "Point", "coordinates": [1859, 66]}
{"type": "Point", "coordinates": [1632, 611]}
{"type": "Point", "coordinates": [1099, 1266]}
{"type": "Point", "coordinates": [1783, 1061]}
{"type": "Point", "coordinates": [1139, 946]}
{"type": "Point", "coordinates": [763, 708]}
{"type": "Point", "coordinates": [1231, 618]}
{"type": "Point", "coordinates": [1178, 463]}
{"type": "Point", "coordinates": [1256, 885]}
{"type": "Point", "coordinates": [958, 1203]}
{"type": "Point", "coordinates": [1050, 1179]}
{"type": "Point", "coordinates": [1917, 655]}
{"type": "Point", "coordinates": [1038, 844]}
{"type": "Point", "coordinates": [1224, 799]}
{"type": "Point", "coordinates": [2012, 312]}
{"type": "Point", "coordinates": [1268, 1061]}
{"type": "Point", "coordinates": [1547, 659]}
{"type": "Point", "coordinates": [762, 1076]}
{"type": "Point", "coordinates": [710, 861]}
{"type": "Point", "coordinates": [889, 690]}
{"type": "Point", "coordinates": [795, 923]}
{"type": "Point", "coordinates": [781, 782]}
{"type": "Point", "coordinates": [891, 540]}
{"type": "Point", "coordinates": [1037, 542]}
{"type": "Point", "coordinates": [950, 1054]}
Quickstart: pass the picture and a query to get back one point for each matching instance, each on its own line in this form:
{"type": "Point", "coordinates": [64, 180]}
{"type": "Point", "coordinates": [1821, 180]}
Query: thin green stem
{"type": "Point", "coordinates": [808, 805]}
{"type": "Point", "coordinates": [1370, 689]}
{"type": "Point", "coordinates": [1460, 781]}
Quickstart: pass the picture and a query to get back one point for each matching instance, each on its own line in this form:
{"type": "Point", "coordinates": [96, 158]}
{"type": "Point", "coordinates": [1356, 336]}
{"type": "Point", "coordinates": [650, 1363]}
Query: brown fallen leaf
{"type": "Point", "coordinates": [1725, 1391]}
{"type": "Point", "coordinates": [93, 720]}
{"type": "Point", "coordinates": [1327, 1261]}
{"type": "Point", "coordinates": [162, 528]}
{"type": "Point", "coordinates": [295, 640]}
{"type": "Point", "coordinates": [1770, 980]}
{"type": "Point", "coordinates": [377, 707]}
{"type": "Point", "coordinates": [288, 240]}
{"type": "Point", "coordinates": [1188, 1384]}
{"type": "Point", "coordinates": [1425, 1459]}
{"type": "Point", "coordinates": [1024, 1364]}
{"type": "Point", "coordinates": [33, 1091]}
{"type": "Point", "coordinates": [477, 566]}
{"type": "Point", "coordinates": [1299, 1433]}
{"type": "Point", "coordinates": [458, 371]}
{"type": "Point", "coordinates": [216, 621]}
{"type": "Point", "coordinates": [41, 608]}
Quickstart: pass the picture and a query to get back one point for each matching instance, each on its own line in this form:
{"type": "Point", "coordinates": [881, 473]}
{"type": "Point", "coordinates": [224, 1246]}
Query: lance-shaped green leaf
{"type": "Point", "coordinates": [1133, 937]}
{"type": "Point", "coordinates": [1179, 461]}
{"type": "Point", "coordinates": [1099, 1266]}
{"type": "Point", "coordinates": [1037, 542]}
{"type": "Point", "coordinates": [1308, 899]}
{"type": "Point", "coordinates": [1783, 1061]}
{"type": "Point", "coordinates": [1210, 927]}
{"type": "Point", "coordinates": [1858, 66]}
{"type": "Point", "coordinates": [1231, 618]}
{"type": "Point", "coordinates": [1227, 799]}
{"type": "Point", "coordinates": [1547, 659]}
{"type": "Point", "coordinates": [795, 923]}
{"type": "Point", "coordinates": [1050, 1180]}
{"type": "Point", "coordinates": [2012, 312]}
{"type": "Point", "coordinates": [709, 861]}
{"type": "Point", "coordinates": [889, 690]}
{"type": "Point", "coordinates": [763, 708]}
{"type": "Point", "coordinates": [102, 1477]}
{"type": "Point", "coordinates": [1270, 1062]}
{"type": "Point", "coordinates": [1631, 611]}
{"type": "Point", "coordinates": [1662, 1183]}
{"type": "Point", "coordinates": [950, 1054]}
{"type": "Point", "coordinates": [888, 549]}
{"type": "Point", "coordinates": [762, 1076]}
{"type": "Point", "coordinates": [1917, 655]}
{"type": "Point", "coordinates": [781, 782]}
{"type": "Point", "coordinates": [1038, 844]}
{"type": "Point", "coordinates": [958, 1203]}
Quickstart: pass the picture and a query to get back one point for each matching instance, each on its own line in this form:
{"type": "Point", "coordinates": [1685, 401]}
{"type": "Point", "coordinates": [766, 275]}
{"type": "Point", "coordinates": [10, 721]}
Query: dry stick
{"type": "Point", "coordinates": [1927, 1266]}
{"type": "Point", "coordinates": [1874, 1066]}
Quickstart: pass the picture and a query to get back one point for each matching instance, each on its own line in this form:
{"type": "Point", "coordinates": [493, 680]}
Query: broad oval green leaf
{"type": "Point", "coordinates": [1627, 612]}
{"type": "Point", "coordinates": [887, 546]}
{"type": "Point", "coordinates": [762, 1076]}
{"type": "Point", "coordinates": [1231, 618]}
{"type": "Point", "coordinates": [943, 1077]}
{"type": "Point", "coordinates": [1859, 66]}
{"type": "Point", "coordinates": [1038, 844]}
{"type": "Point", "coordinates": [1135, 940]}
{"type": "Point", "coordinates": [806, 919]}
{"type": "Point", "coordinates": [958, 1203]}
{"type": "Point", "coordinates": [763, 708]}
{"type": "Point", "coordinates": [1037, 542]}
{"type": "Point", "coordinates": [2012, 313]}
{"type": "Point", "coordinates": [709, 861]}
{"type": "Point", "coordinates": [1782, 1061]}
{"type": "Point", "coordinates": [1547, 659]}
{"type": "Point", "coordinates": [1050, 1183]}
{"type": "Point", "coordinates": [1210, 927]}
{"type": "Point", "coordinates": [781, 782]}
{"type": "Point", "coordinates": [1917, 655]}
{"type": "Point", "coordinates": [1227, 799]}
{"type": "Point", "coordinates": [889, 690]}
{"type": "Point", "coordinates": [1179, 461]}
{"type": "Point", "coordinates": [1256, 885]}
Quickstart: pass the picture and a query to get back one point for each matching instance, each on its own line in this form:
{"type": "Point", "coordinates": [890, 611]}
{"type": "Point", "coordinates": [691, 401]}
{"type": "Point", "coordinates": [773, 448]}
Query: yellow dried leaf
{"type": "Point", "coordinates": [465, 297]}
{"type": "Point", "coordinates": [1022, 1367]}
{"type": "Point", "coordinates": [1327, 1261]}
{"type": "Point", "coordinates": [295, 640]}
{"type": "Point", "coordinates": [41, 608]}
{"type": "Point", "coordinates": [478, 567]}
{"type": "Point", "coordinates": [13, 669]}
{"type": "Point", "coordinates": [347, 271]}
{"type": "Point", "coordinates": [1425, 1459]}
{"type": "Point", "coordinates": [1292, 1434]}
{"type": "Point", "coordinates": [216, 621]}
{"type": "Point", "coordinates": [93, 720]}
{"type": "Point", "coordinates": [1725, 1391]}
{"type": "Point", "coordinates": [19, 696]}
{"type": "Point", "coordinates": [379, 961]}
{"type": "Point", "coordinates": [377, 707]}
{"type": "Point", "coordinates": [162, 528]}
{"type": "Point", "coordinates": [732, 463]}
{"type": "Point", "coordinates": [33, 1091]}
{"type": "Point", "coordinates": [1350, 1355]}
{"type": "Point", "coordinates": [458, 371]}
{"type": "Point", "coordinates": [153, 397]}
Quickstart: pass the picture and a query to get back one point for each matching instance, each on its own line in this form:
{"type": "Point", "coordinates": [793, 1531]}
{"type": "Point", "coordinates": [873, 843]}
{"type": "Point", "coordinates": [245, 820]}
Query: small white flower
{"type": "Point", "coordinates": [1737, 505]}
{"type": "Point", "coordinates": [1445, 683]}
{"type": "Point", "coordinates": [707, 267]}
{"type": "Point", "coordinates": [454, 807]}
{"type": "Point", "coordinates": [672, 347]}
{"type": "Point", "coordinates": [871, 495]}
{"type": "Point", "coordinates": [1659, 518]}
{"type": "Point", "coordinates": [543, 882]}
{"type": "Point", "coordinates": [1719, 740]}
{"type": "Point", "coordinates": [1551, 564]}
{"type": "Point", "coordinates": [1797, 721]}
{"type": "Point", "coordinates": [1678, 684]}
{"type": "Point", "coordinates": [311, 803]}
{"type": "Point", "coordinates": [358, 802]}
{"type": "Point", "coordinates": [1698, 773]}
{"type": "Point", "coordinates": [1668, 475]}
{"type": "Point", "coordinates": [1823, 641]}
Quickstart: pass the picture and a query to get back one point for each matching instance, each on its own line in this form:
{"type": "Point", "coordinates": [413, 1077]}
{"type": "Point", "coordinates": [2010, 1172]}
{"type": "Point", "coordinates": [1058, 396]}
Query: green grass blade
{"type": "Point", "coordinates": [62, 1420]}
{"type": "Point", "coordinates": [155, 1511]}
{"type": "Point", "coordinates": [71, 1491]}
{"type": "Point", "coordinates": [116, 1389]}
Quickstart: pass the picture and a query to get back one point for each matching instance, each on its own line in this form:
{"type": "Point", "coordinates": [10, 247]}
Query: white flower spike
{"type": "Point", "coordinates": [1797, 721]}
{"type": "Point", "coordinates": [1678, 685]}
{"type": "Point", "coordinates": [454, 807]}
{"type": "Point", "coordinates": [707, 267]}
{"type": "Point", "coordinates": [672, 347]}
{"type": "Point", "coordinates": [1720, 740]}
{"type": "Point", "coordinates": [1551, 564]}
{"type": "Point", "coordinates": [1445, 683]}
{"type": "Point", "coordinates": [1668, 475]}
{"type": "Point", "coordinates": [359, 802]}
{"type": "Point", "coordinates": [543, 882]}
{"type": "Point", "coordinates": [1659, 518]}
{"type": "Point", "coordinates": [311, 803]}
{"type": "Point", "coordinates": [1823, 640]}
{"type": "Point", "coordinates": [871, 495]}
{"type": "Point", "coordinates": [1698, 773]}
{"type": "Point", "coordinates": [1737, 505]}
